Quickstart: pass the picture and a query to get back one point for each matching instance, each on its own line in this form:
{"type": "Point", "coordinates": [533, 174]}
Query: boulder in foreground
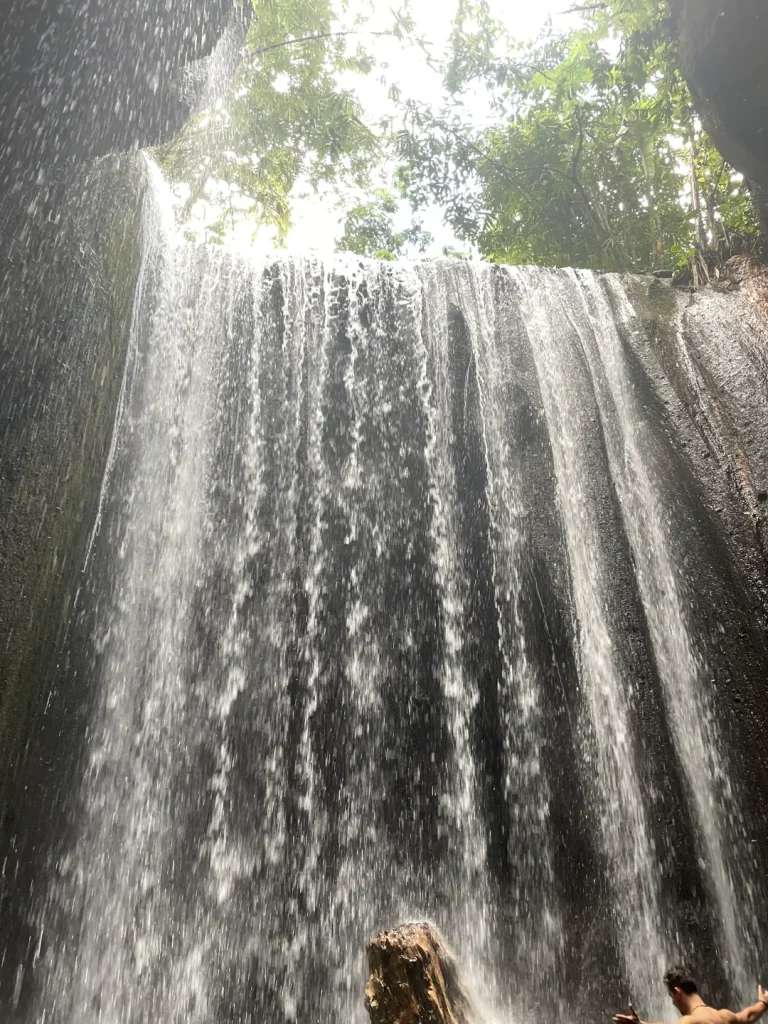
{"type": "Point", "coordinates": [414, 979]}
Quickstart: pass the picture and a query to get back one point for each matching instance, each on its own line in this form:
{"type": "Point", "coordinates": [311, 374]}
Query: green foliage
{"type": "Point", "coordinates": [594, 156]}
{"type": "Point", "coordinates": [369, 229]}
{"type": "Point", "coordinates": [286, 117]}
{"type": "Point", "coordinates": [591, 154]}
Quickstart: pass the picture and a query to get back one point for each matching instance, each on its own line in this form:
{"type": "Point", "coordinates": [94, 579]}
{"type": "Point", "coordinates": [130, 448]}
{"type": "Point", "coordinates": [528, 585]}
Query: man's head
{"type": "Point", "coordinates": [681, 987]}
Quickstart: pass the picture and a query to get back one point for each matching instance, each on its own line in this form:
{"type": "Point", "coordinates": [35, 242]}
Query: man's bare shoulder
{"type": "Point", "coordinates": [707, 1015]}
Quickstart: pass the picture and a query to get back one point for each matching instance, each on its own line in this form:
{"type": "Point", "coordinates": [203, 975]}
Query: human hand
{"type": "Point", "coordinates": [627, 1018]}
{"type": "Point", "coordinates": [762, 996]}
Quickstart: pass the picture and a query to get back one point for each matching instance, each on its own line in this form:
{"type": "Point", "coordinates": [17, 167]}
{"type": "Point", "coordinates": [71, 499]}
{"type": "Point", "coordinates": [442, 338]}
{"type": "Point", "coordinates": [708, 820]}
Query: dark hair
{"type": "Point", "coordinates": [679, 977]}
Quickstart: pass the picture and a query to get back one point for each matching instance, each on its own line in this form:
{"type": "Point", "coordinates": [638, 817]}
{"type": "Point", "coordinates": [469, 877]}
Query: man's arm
{"type": "Point", "coordinates": [628, 1018]}
{"type": "Point", "coordinates": [750, 1013]}
{"type": "Point", "coordinates": [632, 1018]}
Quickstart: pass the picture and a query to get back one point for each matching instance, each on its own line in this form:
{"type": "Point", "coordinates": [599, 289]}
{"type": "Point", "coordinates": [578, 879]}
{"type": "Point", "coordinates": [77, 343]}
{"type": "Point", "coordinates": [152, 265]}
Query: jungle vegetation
{"type": "Point", "coordinates": [591, 154]}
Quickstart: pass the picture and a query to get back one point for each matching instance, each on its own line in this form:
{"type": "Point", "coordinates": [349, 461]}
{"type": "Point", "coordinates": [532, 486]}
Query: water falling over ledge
{"type": "Point", "coordinates": [408, 606]}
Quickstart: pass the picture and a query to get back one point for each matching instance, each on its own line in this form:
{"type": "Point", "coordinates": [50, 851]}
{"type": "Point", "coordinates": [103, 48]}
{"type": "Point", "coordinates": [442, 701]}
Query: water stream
{"type": "Point", "coordinates": [397, 582]}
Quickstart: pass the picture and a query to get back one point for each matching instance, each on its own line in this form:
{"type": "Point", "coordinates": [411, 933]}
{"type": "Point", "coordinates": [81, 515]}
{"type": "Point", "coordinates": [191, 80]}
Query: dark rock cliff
{"type": "Point", "coordinates": [77, 80]}
{"type": "Point", "coordinates": [65, 314]}
{"type": "Point", "coordinates": [83, 78]}
{"type": "Point", "coordinates": [64, 318]}
{"type": "Point", "coordinates": [723, 44]}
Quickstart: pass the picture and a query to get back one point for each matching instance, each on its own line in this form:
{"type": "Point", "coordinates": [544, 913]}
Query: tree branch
{"type": "Point", "coordinates": [311, 39]}
{"type": "Point", "coordinates": [587, 8]}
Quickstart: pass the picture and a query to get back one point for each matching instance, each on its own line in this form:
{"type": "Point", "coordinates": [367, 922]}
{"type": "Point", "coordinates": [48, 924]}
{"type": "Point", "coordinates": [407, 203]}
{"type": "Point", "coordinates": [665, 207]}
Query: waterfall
{"type": "Point", "coordinates": [396, 618]}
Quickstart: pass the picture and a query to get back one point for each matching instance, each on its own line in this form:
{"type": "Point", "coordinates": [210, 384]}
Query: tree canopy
{"type": "Point", "coordinates": [286, 115]}
{"type": "Point", "coordinates": [593, 156]}
{"type": "Point", "coordinates": [589, 152]}
{"type": "Point", "coordinates": [369, 229]}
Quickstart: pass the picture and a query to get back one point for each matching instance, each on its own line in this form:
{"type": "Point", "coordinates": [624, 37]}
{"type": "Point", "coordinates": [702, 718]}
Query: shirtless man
{"type": "Point", "coordinates": [684, 994]}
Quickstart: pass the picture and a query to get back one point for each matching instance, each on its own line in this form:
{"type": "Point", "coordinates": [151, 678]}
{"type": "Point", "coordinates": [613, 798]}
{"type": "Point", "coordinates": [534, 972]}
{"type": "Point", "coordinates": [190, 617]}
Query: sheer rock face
{"type": "Point", "coordinates": [65, 311]}
{"type": "Point", "coordinates": [722, 49]}
{"type": "Point", "coordinates": [414, 979]}
{"type": "Point", "coordinates": [84, 78]}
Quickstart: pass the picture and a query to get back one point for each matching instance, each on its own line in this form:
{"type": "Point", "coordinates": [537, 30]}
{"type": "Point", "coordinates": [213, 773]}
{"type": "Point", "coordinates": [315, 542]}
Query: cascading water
{"type": "Point", "coordinates": [606, 674]}
{"type": "Point", "coordinates": [397, 586]}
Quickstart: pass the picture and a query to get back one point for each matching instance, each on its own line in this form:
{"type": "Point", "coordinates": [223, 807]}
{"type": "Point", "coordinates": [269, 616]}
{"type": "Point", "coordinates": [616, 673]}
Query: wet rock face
{"type": "Point", "coordinates": [366, 525]}
{"type": "Point", "coordinates": [414, 979]}
{"type": "Point", "coordinates": [65, 308]}
{"type": "Point", "coordinates": [722, 48]}
{"type": "Point", "coordinates": [84, 78]}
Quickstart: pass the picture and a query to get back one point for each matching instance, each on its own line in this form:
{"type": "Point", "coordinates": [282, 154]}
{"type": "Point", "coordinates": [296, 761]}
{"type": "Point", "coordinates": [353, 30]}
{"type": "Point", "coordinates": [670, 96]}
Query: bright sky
{"type": "Point", "coordinates": [523, 19]}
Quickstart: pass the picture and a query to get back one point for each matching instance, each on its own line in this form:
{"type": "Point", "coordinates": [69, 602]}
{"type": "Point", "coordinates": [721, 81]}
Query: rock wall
{"type": "Point", "coordinates": [722, 48]}
{"type": "Point", "coordinates": [78, 80]}
{"type": "Point", "coordinates": [65, 310]}
{"type": "Point", "coordinates": [66, 301]}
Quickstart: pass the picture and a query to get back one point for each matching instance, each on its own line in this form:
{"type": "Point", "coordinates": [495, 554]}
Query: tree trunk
{"type": "Point", "coordinates": [722, 45]}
